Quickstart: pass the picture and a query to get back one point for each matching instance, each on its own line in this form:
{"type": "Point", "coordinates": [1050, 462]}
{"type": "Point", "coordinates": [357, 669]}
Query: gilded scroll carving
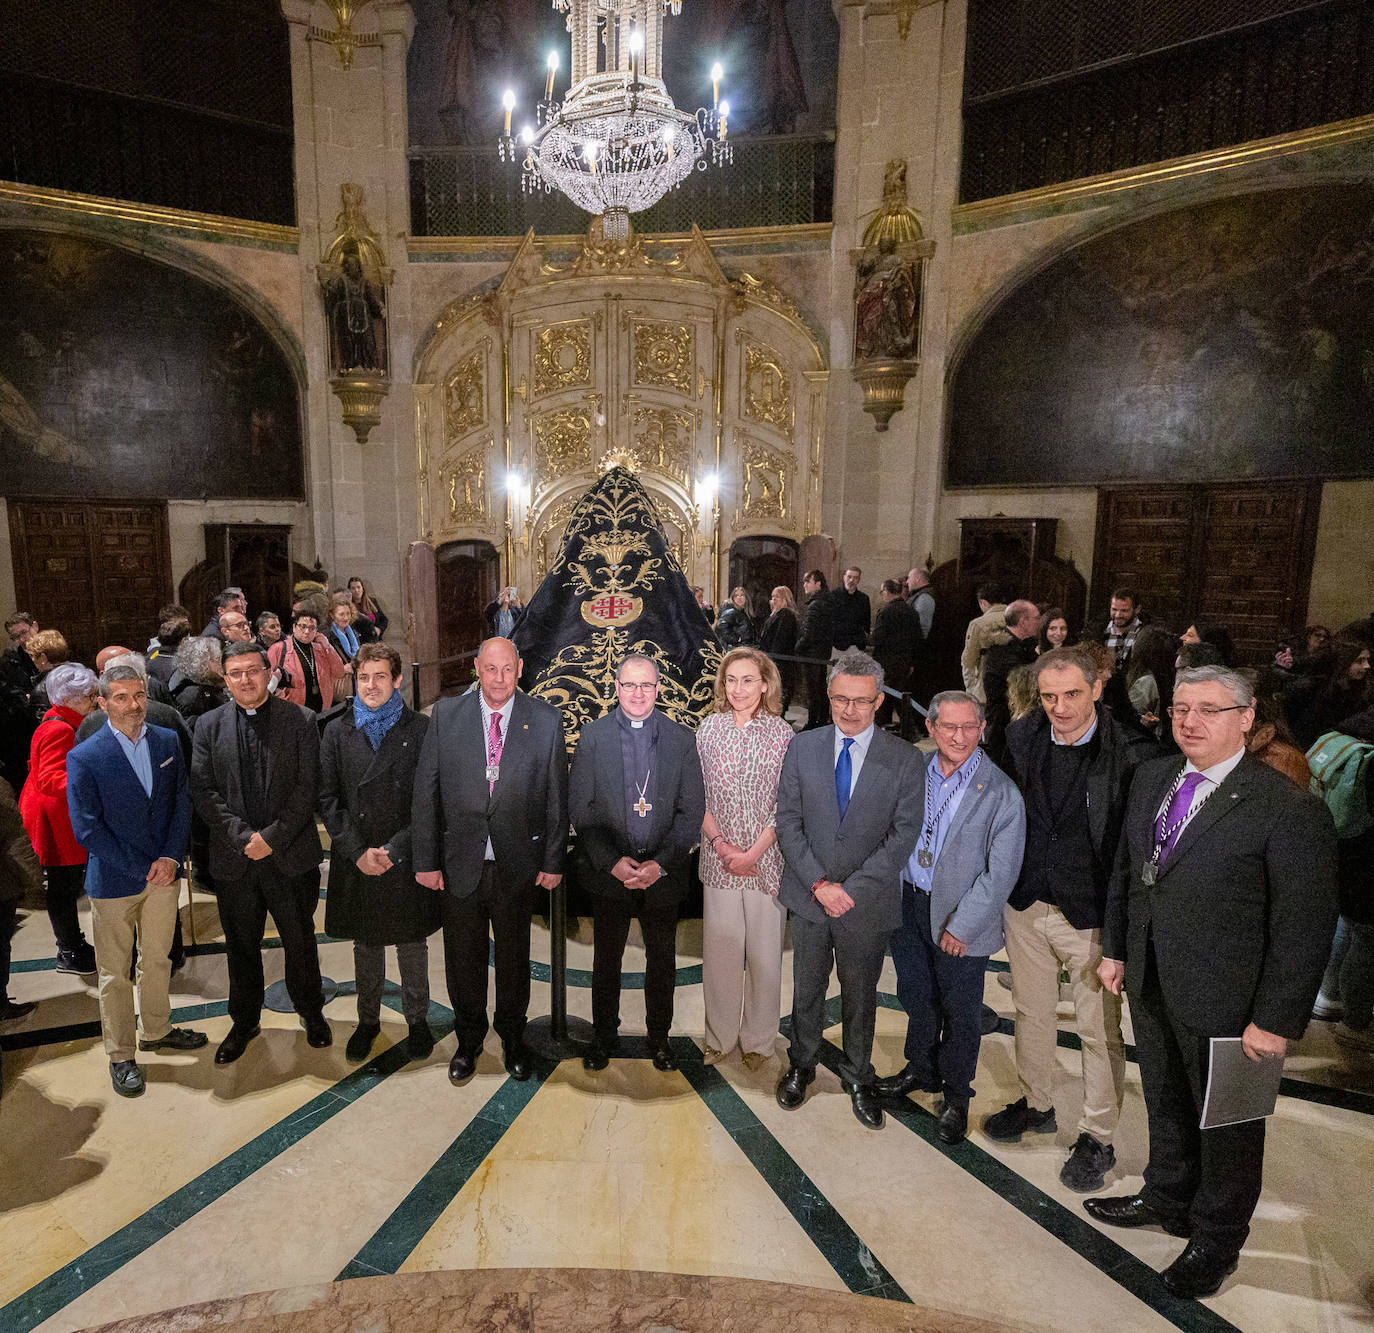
{"type": "Point", "coordinates": [562, 443]}
{"type": "Point", "coordinates": [767, 390]}
{"type": "Point", "coordinates": [663, 439]}
{"type": "Point", "coordinates": [665, 355]}
{"type": "Point", "coordinates": [764, 480]}
{"type": "Point", "coordinates": [465, 479]}
{"type": "Point", "coordinates": [563, 357]}
{"type": "Point", "coordinates": [465, 396]}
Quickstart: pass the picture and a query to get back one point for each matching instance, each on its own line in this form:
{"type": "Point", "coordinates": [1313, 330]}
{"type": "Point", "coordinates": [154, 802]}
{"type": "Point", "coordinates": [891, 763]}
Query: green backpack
{"type": "Point", "coordinates": [1340, 768]}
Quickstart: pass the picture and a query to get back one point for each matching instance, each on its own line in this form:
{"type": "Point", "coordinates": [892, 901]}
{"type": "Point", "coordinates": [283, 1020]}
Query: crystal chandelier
{"type": "Point", "coordinates": [616, 144]}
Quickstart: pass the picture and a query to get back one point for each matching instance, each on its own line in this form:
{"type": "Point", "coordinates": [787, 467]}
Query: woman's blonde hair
{"type": "Point", "coordinates": [788, 600]}
{"type": "Point", "coordinates": [771, 702]}
{"type": "Point", "coordinates": [48, 643]}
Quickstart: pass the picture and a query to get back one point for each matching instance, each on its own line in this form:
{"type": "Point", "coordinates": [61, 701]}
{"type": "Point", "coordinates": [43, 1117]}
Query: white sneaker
{"type": "Point", "coordinates": [1362, 1039]}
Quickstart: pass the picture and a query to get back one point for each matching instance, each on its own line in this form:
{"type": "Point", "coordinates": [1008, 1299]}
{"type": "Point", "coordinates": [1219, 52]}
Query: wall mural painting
{"type": "Point", "coordinates": [120, 376]}
{"type": "Point", "coordinates": [1223, 341]}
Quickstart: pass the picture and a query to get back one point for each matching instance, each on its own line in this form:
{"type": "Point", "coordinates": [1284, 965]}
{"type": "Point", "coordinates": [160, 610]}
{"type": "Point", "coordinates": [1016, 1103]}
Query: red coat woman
{"type": "Point", "coordinates": [73, 690]}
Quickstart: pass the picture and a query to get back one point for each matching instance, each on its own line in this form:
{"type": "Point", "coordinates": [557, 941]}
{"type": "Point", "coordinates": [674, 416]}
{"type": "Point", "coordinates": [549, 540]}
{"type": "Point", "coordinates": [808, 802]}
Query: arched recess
{"type": "Point", "coordinates": [712, 391]}
{"type": "Point", "coordinates": [467, 581]}
{"type": "Point", "coordinates": [1217, 341]}
{"type": "Point", "coordinates": [760, 564]}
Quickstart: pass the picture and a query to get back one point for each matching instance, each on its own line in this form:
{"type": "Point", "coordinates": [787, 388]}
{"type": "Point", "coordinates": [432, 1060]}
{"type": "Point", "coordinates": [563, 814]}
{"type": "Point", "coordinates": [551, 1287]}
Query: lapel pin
{"type": "Point", "coordinates": [524, 726]}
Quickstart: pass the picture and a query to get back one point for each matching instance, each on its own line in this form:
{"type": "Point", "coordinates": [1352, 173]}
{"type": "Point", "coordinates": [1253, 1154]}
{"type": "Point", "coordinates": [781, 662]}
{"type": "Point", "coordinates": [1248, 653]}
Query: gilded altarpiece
{"type": "Point", "coordinates": [711, 390]}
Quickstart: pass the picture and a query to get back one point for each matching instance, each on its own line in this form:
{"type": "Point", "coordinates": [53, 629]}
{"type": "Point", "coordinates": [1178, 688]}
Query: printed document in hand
{"type": "Point", "coordinates": [1239, 1088]}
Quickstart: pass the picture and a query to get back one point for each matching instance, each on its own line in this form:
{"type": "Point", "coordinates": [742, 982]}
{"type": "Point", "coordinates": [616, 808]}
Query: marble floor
{"type": "Point", "coordinates": [293, 1168]}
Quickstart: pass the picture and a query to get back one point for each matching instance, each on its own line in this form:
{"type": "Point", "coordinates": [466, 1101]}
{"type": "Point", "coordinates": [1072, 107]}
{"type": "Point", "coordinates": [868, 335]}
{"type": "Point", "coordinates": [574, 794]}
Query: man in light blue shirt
{"type": "Point", "coordinates": [955, 884]}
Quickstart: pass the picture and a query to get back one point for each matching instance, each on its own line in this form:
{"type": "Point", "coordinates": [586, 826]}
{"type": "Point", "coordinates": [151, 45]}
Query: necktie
{"type": "Point", "coordinates": [844, 773]}
{"type": "Point", "coordinates": [1170, 823]}
{"type": "Point", "coordinates": [494, 748]}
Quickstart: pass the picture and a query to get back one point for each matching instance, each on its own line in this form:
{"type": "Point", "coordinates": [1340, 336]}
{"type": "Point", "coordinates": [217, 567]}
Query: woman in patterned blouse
{"type": "Point", "coordinates": [742, 744]}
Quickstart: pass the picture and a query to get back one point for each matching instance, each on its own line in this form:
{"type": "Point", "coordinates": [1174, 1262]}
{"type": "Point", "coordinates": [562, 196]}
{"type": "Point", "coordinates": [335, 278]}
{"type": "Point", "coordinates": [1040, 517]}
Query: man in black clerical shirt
{"type": "Point", "coordinates": [637, 801]}
{"type": "Point", "coordinates": [254, 780]}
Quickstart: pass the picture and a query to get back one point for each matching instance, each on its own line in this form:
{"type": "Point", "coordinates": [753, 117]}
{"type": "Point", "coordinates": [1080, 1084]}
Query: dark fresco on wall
{"type": "Point", "coordinates": [120, 376]}
{"type": "Point", "coordinates": [1228, 340]}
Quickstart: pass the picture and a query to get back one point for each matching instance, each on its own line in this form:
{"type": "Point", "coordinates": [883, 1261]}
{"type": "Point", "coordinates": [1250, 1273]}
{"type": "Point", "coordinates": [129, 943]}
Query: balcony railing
{"type": "Point", "coordinates": [95, 142]}
{"type": "Point", "coordinates": [773, 182]}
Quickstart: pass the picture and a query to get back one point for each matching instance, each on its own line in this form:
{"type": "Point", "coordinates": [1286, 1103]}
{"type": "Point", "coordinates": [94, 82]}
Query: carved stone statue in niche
{"type": "Point", "coordinates": [353, 278]}
{"type": "Point", "coordinates": [357, 317]}
{"type": "Point", "coordinates": [887, 299]}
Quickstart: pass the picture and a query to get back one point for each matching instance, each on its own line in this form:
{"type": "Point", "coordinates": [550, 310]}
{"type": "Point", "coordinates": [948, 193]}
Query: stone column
{"type": "Point", "coordinates": [350, 127]}
{"type": "Point", "coordinates": [899, 97]}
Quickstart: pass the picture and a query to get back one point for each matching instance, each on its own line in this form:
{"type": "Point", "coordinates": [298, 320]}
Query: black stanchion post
{"type": "Point", "coordinates": [415, 686]}
{"type": "Point", "coordinates": [558, 1037]}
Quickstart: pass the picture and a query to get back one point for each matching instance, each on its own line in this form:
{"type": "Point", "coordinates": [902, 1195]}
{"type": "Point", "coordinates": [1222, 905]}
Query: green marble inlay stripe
{"type": "Point", "coordinates": [855, 1263]}
{"type": "Point", "coordinates": [395, 1240]}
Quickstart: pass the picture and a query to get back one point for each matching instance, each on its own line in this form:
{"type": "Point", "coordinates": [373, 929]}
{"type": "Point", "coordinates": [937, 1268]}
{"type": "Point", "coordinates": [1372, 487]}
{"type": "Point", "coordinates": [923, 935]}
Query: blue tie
{"type": "Point", "coordinates": [844, 772]}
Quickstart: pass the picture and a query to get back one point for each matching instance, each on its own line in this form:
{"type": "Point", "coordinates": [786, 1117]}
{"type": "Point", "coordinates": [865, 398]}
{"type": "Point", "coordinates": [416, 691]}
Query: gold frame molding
{"type": "Point", "coordinates": [427, 247]}
{"type": "Point", "coordinates": [149, 215]}
{"type": "Point", "coordinates": [1087, 191]}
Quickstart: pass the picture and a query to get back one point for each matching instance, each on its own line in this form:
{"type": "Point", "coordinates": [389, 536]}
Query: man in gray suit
{"type": "Point", "coordinates": [959, 873]}
{"type": "Point", "coordinates": [487, 837]}
{"type": "Point", "coordinates": [848, 813]}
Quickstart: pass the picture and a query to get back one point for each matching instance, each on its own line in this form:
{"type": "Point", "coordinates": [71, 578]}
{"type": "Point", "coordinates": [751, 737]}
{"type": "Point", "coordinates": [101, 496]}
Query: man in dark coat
{"type": "Point", "coordinates": [1023, 627]}
{"type": "Point", "coordinates": [896, 640]}
{"type": "Point", "coordinates": [487, 839]}
{"type": "Point", "coordinates": [367, 779]}
{"type": "Point", "coordinates": [853, 612]}
{"type": "Point", "coordinates": [255, 773]}
{"type": "Point", "coordinates": [637, 802]}
{"type": "Point", "coordinates": [816, 641]}
{"type": "Point", "coordinates": [1219, 918]}
{"type": "Point", "coordinates": [1073, 763]}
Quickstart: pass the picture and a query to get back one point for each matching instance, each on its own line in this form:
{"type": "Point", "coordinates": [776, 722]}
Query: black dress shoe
{"type": "Point", "coordinates": [463, 1065]}
{"type": "Point", "coordinates": [867, 1111]}
{"type": "Point", "coordinates": [177, 1039]}
{"type": "Point", "coordinates": [517, 1062]}
{"type": "Point", "coordinates": [1200, 1270]}
{"type": "Point", "coordinates": [420, 1042]}
{"type": "Point", "coordinates": [235, 1044]}
{"type": "Point", "coordinates": [12, 1009]}
{"type": "Point", "coordinates": [127, 1078]}
{"type": "Point", "coordinates": [664, 1059]}
{"type": "Point", "coordinates": [907, 1080]}
{"type": "Point", "coordinates": [792, 1086]}
{"type": "Point", "coordinates": [317, 1032]}
{"type": "Point", "coordinates": [360, 1043]}
{"type": "Point", "coordinates": [1130, 1210]}
{"type": "Point", "coordinates": [952, 1125]}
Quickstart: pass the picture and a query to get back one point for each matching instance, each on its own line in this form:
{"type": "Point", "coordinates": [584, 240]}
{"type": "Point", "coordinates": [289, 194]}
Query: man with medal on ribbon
{"type": "Point", "coordinates": [489, 829]}
{"type": "Point", "coordinates": [637, 804]}
{"type": "Point", "coordinates": [1219, 917]}
{"type": "Point", "coordinates": [955, 885]}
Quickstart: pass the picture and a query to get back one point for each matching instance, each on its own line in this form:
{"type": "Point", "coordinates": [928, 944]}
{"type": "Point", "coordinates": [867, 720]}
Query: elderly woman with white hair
{"type": "Point", "coordinates": [72, 693]}
{"type": "Point", "coordinates": [197, 684]}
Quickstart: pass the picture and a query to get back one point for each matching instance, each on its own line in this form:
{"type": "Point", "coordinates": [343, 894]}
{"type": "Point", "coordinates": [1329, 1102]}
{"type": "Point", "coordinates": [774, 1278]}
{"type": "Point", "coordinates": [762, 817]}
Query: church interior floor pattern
{"type": "Point", "coordinates": [293, 1167]}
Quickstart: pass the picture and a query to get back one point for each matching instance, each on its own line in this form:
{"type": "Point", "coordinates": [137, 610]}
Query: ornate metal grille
{"type": "Point", "coordinates": [775, 181]}
{"type": "Point", "coordinates": [1059, 89]}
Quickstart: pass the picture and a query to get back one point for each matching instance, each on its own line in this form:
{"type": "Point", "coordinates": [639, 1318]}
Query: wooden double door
{"type": "Point", "coordinates": [98, 571]}
{"type": "Point", "coordinates": [1239, 555]}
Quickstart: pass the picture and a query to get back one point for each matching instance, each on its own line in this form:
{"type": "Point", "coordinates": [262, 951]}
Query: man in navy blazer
{"type": "Point", "coordinates": [130, 805]}
{"type": "Point", "coordinates": [959, 873]}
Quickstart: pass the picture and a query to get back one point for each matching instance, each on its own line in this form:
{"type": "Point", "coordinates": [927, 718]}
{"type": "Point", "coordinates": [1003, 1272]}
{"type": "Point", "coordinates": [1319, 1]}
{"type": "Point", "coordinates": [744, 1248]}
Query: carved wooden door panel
{"type": "Point", "coordinates": [97, 571]}
{"type": "Point", "coordinates": [1239, 555]}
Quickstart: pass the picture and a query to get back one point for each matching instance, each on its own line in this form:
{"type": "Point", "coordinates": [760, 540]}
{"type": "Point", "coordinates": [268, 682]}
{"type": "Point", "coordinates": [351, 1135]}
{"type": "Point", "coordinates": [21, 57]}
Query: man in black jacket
{"type": "Point", "coordinates": [853, 612]}
{"type": "Point", "coordinates": [1073, 763]}
{"type": "Point", "coordinates": [896, 641]}
{"type": "Point", "coordinates": [255, 771]}
{"type": "Point", "coordinates": [815, 642]}
{"type": "Point", "coordinates": [1023, 625]}
{"type": "Point", "coordinates": [1219, 918]}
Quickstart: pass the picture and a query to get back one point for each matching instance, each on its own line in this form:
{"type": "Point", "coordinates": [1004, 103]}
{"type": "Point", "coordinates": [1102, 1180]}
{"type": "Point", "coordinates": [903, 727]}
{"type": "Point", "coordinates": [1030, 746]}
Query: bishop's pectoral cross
{"type": "Point", "coordinates": [641, 807]}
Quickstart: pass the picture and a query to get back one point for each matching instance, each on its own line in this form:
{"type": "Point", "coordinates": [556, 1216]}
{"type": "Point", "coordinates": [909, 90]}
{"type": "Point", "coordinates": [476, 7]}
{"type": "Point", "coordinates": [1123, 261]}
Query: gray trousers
{"type": "Point", "coordinates": [858, 961]}
{"type": "Point", "coordinates": [369, 969]}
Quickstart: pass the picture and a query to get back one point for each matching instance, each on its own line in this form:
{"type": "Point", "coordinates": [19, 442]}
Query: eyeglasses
{"type": "Point", "coordinates": [1207, 712]}
{"type": "Point", "coordinates": [637, 686]}
{"type": "Point", "coordinates": [841, 702]}
{"type": "Point", "coordinates": [955, 728]}
{"type": "Point", "coordinates": [246, 673]}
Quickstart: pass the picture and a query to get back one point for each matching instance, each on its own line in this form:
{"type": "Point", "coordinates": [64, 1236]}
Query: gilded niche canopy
{"type": "Point", "coordinates": [616, 588]}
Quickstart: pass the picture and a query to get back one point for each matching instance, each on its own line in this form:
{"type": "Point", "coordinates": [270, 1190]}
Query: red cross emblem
{"type": "Point", "coordinates": [612, 608]}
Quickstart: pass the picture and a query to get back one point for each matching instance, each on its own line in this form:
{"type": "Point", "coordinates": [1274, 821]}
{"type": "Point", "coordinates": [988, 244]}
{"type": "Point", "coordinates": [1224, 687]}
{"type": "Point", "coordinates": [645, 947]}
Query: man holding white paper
{"type": "Point", "coordinates": [1219, 918]}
